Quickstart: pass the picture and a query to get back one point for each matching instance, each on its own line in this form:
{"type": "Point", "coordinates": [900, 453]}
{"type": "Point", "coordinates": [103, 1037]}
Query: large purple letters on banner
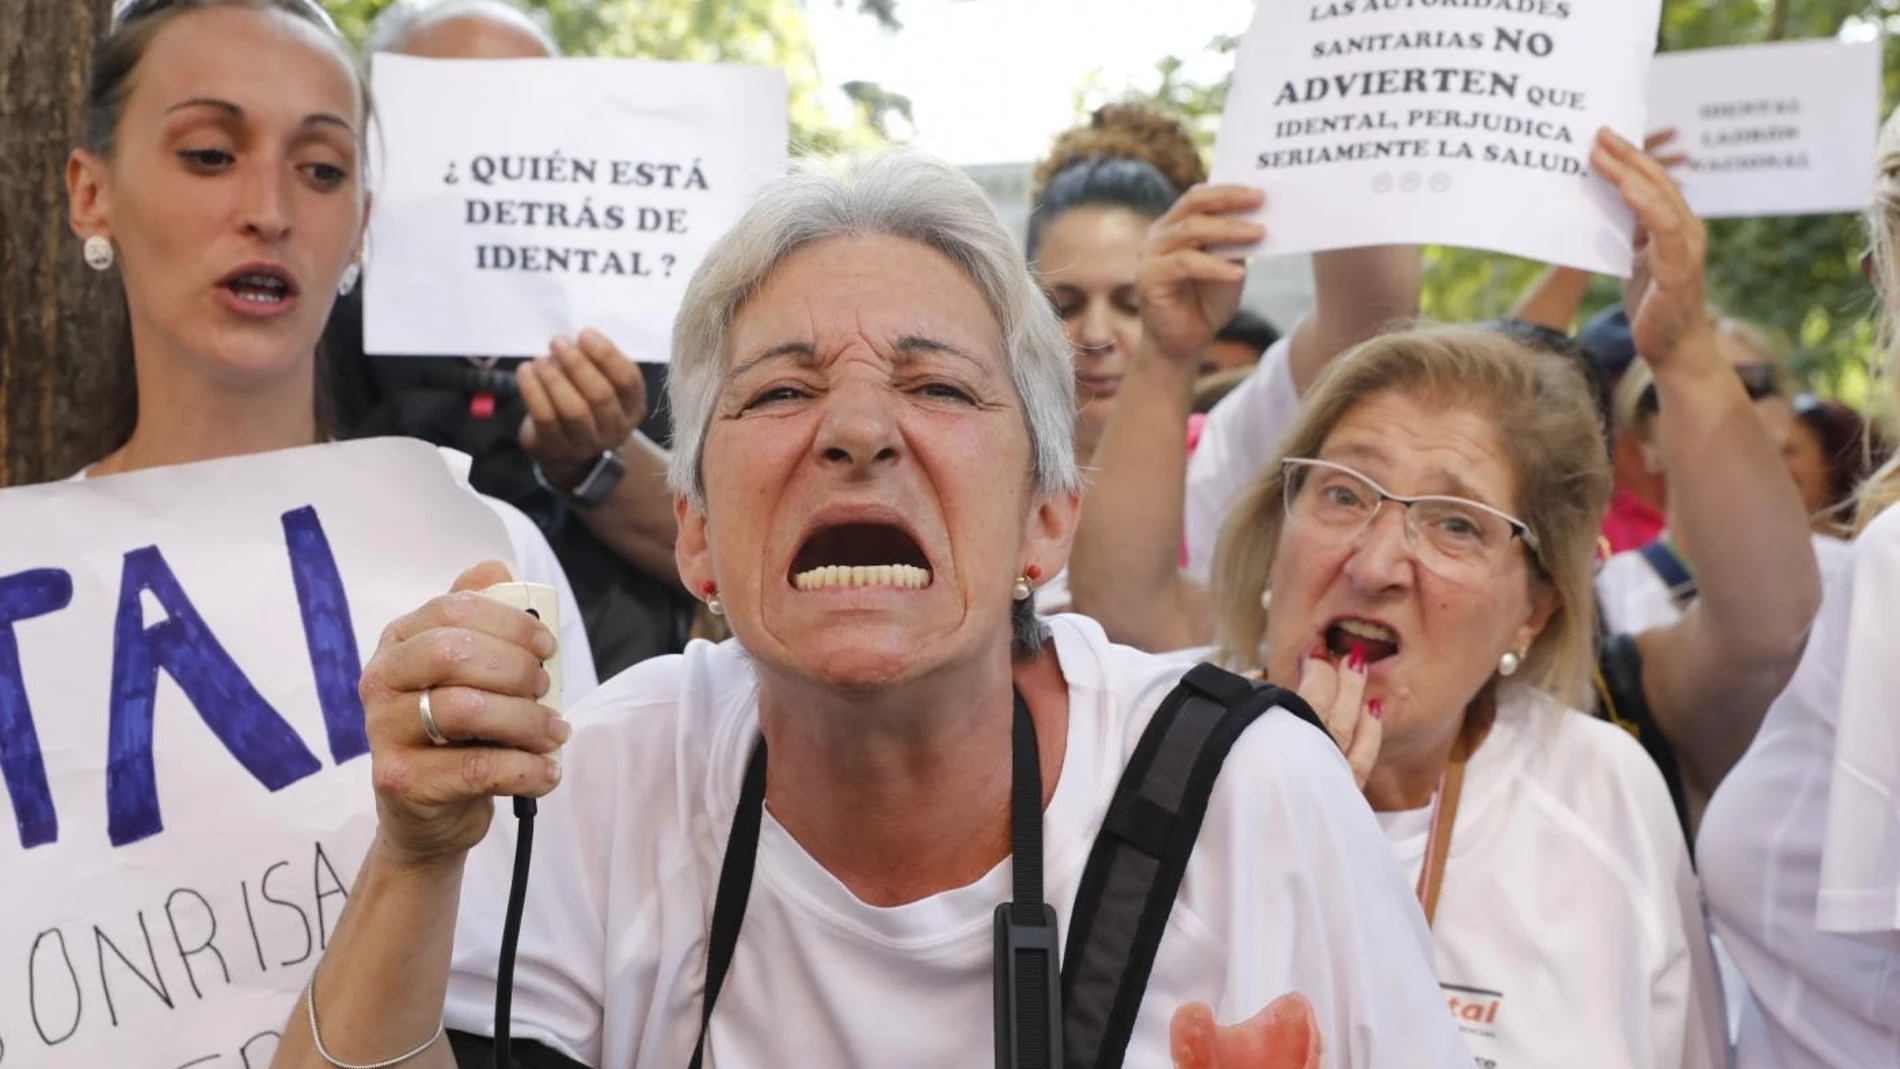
{"type": "Point", "coordinates": [183, 646]}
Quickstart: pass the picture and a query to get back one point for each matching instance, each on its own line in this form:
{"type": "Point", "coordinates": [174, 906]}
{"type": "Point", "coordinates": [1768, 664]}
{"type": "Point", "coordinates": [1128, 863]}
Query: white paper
{"type": "Point", "coordinates": [1446, 122]}
{"type": "Point", "coordinates": [188, 943]}
{"type": "Point", "coordinates": [482, 161]}
{"type": "Point", "coordinates": [1776, 129]}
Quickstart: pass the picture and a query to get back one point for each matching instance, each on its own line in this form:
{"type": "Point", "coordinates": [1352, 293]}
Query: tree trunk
{"type": "Point", "coordinates": [58, 320]}
{"type": "Point", "coordinates": [1778, 20]}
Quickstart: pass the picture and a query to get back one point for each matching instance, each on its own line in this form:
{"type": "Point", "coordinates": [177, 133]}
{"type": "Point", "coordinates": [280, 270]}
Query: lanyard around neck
{"type": "Point", "coordinates": [1431, 872]}
{"type": "Point", "coordinates": [1027, 968]}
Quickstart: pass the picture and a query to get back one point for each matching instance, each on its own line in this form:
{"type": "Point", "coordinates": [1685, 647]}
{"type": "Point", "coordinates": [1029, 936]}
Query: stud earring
{"type": "Point", "coordinates": [348, 282]}
{"type": "Point", "coordinates": [1266, 600]}
{"type": "Point", "coordinates": [1507, 664]}
{"type": "Point", "coordinates": [1022, 590]}
{"type": "Point", "coordinates": [98, 252]}
{"type": "Point", "coordinates": [713, 605]}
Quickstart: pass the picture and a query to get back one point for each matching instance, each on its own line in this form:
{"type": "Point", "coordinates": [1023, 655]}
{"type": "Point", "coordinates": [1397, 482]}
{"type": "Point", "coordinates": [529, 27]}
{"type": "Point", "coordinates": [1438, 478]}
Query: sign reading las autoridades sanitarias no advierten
{"type": "Point", "coordinates": [518, 200]}
{"type": "Point", "coordinates": [1450, 122]}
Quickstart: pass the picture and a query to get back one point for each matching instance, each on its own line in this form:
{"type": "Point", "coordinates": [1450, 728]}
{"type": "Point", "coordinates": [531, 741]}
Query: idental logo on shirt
{"type": "Point", "coordinates": [1474, 1008]}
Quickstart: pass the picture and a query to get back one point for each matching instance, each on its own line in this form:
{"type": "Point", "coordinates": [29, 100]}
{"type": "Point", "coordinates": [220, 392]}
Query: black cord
{"type": "Point", "coordinates": [511, 933]}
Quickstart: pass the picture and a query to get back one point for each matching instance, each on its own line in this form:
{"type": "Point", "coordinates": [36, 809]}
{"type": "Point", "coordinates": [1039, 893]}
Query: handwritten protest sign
{"type": "Point", "coordinates": [1456, 122]}
{"type": "Point", "coordinates": [1776, 129]}
{"type": "Point", "coordinates": [181, 744]}
{"type": "Point", "coordinates": [521, 199]}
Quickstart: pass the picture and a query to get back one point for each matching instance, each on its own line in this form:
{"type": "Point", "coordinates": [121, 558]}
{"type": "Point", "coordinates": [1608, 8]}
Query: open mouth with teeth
{"type": "Point", "coordinates": [860, 555]}
{"type": "Point", "coordinates": [1378, 640]}
{"type": "Point", "coordinates": [260, 287]}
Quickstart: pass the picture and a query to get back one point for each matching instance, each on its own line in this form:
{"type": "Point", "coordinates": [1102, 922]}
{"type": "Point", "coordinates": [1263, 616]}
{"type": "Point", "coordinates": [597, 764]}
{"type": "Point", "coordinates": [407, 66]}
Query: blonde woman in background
{"type": "Point", "coordinates": [1800, 848]}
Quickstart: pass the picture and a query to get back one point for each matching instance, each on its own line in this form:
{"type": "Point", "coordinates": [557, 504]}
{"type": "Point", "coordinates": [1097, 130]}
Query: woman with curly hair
{"type": "Point", "coordinates": [1096, 194]}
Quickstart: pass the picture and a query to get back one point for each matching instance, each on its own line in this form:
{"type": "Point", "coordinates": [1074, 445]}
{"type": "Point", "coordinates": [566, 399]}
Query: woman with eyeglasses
{"type": "Point", "coordinates": [1423, 546]}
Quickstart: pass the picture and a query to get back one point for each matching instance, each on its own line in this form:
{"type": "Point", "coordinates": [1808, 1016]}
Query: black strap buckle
{"type": "Point", "coordinates": [1028, 987]}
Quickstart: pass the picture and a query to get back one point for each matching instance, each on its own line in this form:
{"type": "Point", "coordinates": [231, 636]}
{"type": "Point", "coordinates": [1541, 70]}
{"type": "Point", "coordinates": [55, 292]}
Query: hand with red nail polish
{"type": "Point", "coordinates": [1338, 697]}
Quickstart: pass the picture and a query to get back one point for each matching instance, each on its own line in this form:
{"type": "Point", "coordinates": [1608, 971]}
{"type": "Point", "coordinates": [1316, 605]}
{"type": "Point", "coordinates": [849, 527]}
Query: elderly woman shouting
{"type": "Point", "coordinates": [1424, 540]}
{"type": "Point", "coordinates": [874, 465]}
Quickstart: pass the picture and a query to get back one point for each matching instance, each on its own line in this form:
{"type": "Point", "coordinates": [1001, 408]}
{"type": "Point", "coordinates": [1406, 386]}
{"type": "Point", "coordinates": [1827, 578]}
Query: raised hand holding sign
{"type": "Point", "coordinates": [1664, 293]}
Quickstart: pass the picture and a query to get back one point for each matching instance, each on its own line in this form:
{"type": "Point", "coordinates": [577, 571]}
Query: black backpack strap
{"type": "Point", "coordinates": [1622, 701]}
{"type": "Point", "coordinates": [1668, 565]}
{"type": "Point", "coordinates": [1136, 866]}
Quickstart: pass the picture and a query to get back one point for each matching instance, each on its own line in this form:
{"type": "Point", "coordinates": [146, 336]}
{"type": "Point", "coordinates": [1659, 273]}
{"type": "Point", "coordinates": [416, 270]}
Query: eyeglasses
{"type": "Point", "coordinates": [1455, 537]}
{"type": "Point", "coordinates": [1760, 380]}
{"type": "Point", "coordinates": [129, 11]}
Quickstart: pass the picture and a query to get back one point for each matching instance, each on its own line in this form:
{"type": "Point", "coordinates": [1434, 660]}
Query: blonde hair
{"type": "Point", "coordinates": [1759, 339]}
{"type": "Point", "coordinates": [1547, 423]}
{"type": "Point", "coordinates": [1629, 397]}
{"type": "Point", "coordinates": [1882, 488]}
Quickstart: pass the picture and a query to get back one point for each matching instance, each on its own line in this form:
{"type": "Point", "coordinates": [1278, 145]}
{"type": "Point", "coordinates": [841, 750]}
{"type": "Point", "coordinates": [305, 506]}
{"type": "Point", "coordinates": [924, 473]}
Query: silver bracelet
{"type": "Point", "coordinates": [316, 1039]}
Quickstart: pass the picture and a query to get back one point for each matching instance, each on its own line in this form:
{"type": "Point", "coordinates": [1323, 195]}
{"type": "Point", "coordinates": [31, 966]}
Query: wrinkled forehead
{"type": "Point", "coordinates": [876, 294]}
{"type": "Point", "coordinates": [1413, 444]}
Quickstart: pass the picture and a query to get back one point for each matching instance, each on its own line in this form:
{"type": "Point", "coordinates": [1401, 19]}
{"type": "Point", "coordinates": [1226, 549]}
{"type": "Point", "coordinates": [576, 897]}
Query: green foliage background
{"type": "Point", "coordinates": [766, 32]}
{"type": "Point", "coordinates": [1799, 277]}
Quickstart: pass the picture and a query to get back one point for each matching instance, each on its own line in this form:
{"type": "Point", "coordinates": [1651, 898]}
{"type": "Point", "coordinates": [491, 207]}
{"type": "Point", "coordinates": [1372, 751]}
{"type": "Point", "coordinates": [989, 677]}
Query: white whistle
{"type": "Point", "coordinates": [542, 602]}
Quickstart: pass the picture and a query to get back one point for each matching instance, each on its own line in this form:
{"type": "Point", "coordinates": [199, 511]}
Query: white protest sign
{"type": "Point", "coordinates": [517, 200]}
{"type": "Point", "coordinates": [1450, 122]}
{"type": "Point", "coordinates": [185, 788]}
{"type": "Point", "coordinates": [1776, 129]}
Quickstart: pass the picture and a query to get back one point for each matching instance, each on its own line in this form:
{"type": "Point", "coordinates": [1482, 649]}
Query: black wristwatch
{"type": "Point", "coordinates": [595, 487]}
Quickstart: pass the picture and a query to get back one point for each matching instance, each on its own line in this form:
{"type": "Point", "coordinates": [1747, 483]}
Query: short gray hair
{"type": "Point", "coordinates": [903, 194]}
{"type": "Point", "coordinates": [396, 22]}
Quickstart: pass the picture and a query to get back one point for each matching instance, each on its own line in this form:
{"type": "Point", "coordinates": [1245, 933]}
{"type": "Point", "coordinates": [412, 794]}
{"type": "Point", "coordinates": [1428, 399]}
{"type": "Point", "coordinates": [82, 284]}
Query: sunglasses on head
{"type": "Point", "coordinates": [1760, 380]}
{"type": "Point", "coordinates": [130, 11]}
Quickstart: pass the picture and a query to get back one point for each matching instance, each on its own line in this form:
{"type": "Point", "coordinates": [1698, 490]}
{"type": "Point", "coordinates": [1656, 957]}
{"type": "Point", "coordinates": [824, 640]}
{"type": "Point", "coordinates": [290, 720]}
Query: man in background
{"type": "Point", "coordinates": [569, 438]}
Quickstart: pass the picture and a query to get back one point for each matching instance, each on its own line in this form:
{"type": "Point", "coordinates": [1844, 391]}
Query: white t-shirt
{"type": "Point", "coordinates": [1053, 597]}
{"type": "Point", "coordinates": [1569, 928]}
{"type": "Point", "coordinates": [1290, 888]}
{"type": "Point", "coordinates": [1241, 434]}
{"type": "Point", "coordinates": [1819, 999]}
{"type": "Point", "coordinates": [1635, 599]}
{"type": "Point", "coordinates": [1860, 862]}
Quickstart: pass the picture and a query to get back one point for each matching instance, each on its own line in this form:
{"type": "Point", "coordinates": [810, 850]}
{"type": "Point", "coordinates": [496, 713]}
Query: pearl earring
{"type": "Point", "coordinates": [98, 252]}
{"type": "Point", "coordinates": [1507, 664]}
{"type": "Point", "coordinates": [1266, 600]}
{"type": "Point", "coordinates": [714, 606]}
{"type": "Point", "coordinates": [348, 282]}
{"type": "Point", "coordinates": [1022, 590]}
